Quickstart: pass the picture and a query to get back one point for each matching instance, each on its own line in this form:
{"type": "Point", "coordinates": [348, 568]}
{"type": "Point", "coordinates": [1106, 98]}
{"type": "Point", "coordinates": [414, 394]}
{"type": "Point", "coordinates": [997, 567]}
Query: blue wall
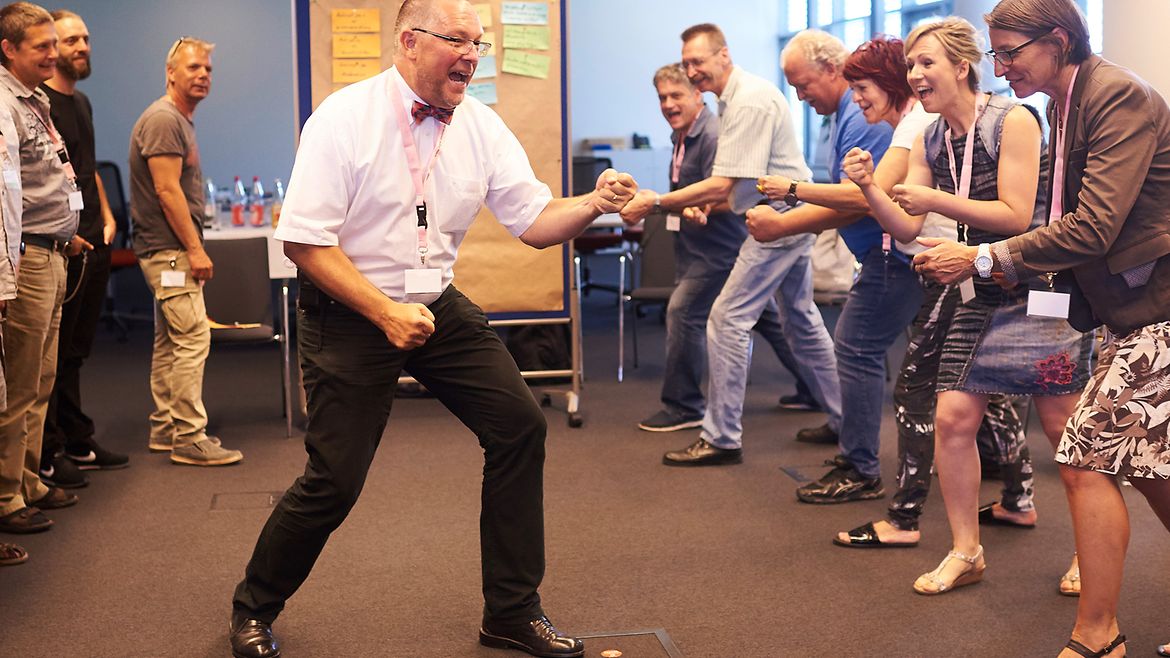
{"type": "Point", "coordinates": [615, 46]}
{"type": "Point", "coordinates": [246, 126]}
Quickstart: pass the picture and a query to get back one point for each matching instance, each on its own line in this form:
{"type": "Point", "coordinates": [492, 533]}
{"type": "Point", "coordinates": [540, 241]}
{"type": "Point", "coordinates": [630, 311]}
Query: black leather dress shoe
{"type": "Point", "coordinates": [538, 638]}
{"type": "Point", "coordinates": [701, 453]}
{"type": "Point", "coordinates": [252, 638]}
{"type": "Point", "coordinates": [823, 434]}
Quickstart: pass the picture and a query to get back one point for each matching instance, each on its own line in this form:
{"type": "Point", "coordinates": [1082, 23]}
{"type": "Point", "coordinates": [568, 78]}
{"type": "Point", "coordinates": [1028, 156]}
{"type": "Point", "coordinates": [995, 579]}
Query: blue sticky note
{"type": "Point", "coordinates": [524, 13]}
{"type": "Point", "coordinates": [484, 92]}
{"type": "Point", "coordinates": [486, 68]}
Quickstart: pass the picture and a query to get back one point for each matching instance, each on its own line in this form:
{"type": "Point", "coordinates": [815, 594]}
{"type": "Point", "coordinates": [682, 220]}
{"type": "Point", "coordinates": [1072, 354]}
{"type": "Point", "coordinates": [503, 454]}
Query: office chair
{"type": "Point", "coordinates": [239, 297]}
{"type": "Point", "coordinates": [122, 286]}
{"type": "Point", "coordinates": [653, 267]}
{"type": "Point", "coordinates": [586, 169]}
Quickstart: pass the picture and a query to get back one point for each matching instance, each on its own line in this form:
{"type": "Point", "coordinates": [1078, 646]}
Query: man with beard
{"type": "Point", "coordinates": [69, 444]}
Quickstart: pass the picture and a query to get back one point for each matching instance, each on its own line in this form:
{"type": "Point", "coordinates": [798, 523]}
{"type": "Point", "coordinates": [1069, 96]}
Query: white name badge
{"type": "Point", "coordinates": [1044, 304]}
{"type": "Point", "coordinates": [967, 290]}
{"type": "Point", "coordinates": [424, 281]}
{"type": "Point", "coordinates": [12, 178]}
{"type": "Point", "coordinates": [673, 222]}
{"type": "Point", "coordinates": [75, 201]}
{"type": "Point", "coordinates": [174, 279]}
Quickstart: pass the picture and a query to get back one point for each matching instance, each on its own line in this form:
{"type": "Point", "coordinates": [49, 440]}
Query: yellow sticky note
{"type": "Point", "coordinates": [357, 45]}
{"type": "Point", "coordinates": [526, 37]}
{"type": "Point", "coordinates": [355, 70]}
{"type": "Point", "coordinates": [490, 37]}
{"type": "Point", "coordinates": [528, 64]}
{"type": "Point", "coordinates": [485, 15]}
{"type": "Point", "coordinates": [357, 20]}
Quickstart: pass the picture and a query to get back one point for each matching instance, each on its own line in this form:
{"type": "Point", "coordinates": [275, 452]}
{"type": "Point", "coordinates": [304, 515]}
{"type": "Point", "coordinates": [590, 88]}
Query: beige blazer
{"type": "Point", "coordinates": [1116, 200]}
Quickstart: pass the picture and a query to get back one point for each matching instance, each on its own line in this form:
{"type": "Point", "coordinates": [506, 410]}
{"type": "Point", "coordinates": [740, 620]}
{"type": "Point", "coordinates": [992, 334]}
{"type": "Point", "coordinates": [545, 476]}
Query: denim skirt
{"type": "Point", "coordinates": [994, 346]}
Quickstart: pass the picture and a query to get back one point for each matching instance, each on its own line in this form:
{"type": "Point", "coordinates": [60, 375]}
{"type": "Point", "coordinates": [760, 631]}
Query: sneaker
{"type": "Point", "coordinates": [798, 402]}
{"type": "Point", "coordinates": [822, 434]}
{"type": "Point", "coordinates": [664, 421]}
{"type": "Point", "coordinates": [92, 457]}
{"type": "Point", "coordinates": [205, 452]}
{"type": "Point", "coordinates": [170, 444]}
{"type": "Point", "coordinates": [62, 473]}
{"type": "Point", "coordinates": [842, 484]}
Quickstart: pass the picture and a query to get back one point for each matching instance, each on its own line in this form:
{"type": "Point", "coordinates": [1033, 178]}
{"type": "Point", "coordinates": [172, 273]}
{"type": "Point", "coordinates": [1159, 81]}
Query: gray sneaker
{"type": "Point", "coordinates": [205, 452]}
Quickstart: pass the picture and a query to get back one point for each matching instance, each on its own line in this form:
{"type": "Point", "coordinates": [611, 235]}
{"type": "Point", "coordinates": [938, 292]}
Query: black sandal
{"type": "Point", "coordinates": [1089, 653]}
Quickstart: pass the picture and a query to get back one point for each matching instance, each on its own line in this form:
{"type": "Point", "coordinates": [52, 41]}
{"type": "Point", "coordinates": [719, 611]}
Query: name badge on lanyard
{"type": "Point", "coordinates": [1050, 303]}
{"type": "Point", "coordinates": [421, 279]}
{"type": "Point", "coordinates": [963, 182]}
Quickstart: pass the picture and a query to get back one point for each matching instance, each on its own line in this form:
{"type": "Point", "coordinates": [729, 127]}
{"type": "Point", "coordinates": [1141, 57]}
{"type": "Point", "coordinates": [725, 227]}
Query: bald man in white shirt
{"type": "Point", "coordinates": [386, 183]}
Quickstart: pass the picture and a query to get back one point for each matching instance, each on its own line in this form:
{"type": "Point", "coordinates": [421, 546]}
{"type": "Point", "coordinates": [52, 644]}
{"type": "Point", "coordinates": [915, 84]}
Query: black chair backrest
{"type": "Point", "coordinates": [586, 169]}
{"type": "Point", "coordinates": [656, 262]}
{"type": "Point", "coordinates": [116, 196]}
{"type": "Point", "coordinates": [240, 291]}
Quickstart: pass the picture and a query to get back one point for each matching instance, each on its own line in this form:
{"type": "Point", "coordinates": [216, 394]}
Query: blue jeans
{"type": "Point", "coordinates": [686, 342]}
{"type": "Point", "coordinates": [881, 304]}
{"type": "Point", "coordinates": [759, 272]}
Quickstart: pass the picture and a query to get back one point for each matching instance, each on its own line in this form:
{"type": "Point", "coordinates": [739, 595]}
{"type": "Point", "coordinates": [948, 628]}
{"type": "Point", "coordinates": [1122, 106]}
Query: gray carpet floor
{"type": "Point", "coordinates": [724, 560]}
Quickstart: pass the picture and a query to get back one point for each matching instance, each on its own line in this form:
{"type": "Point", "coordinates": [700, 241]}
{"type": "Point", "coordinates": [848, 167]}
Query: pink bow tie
{"type": "Point", "coordinates": [421, 111]}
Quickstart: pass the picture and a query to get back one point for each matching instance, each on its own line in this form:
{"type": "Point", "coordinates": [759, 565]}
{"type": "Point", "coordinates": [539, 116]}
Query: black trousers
{"type": "Point", "coordinates": [66, 422]}
{"type": "Point", "coordinates": [351, 372]}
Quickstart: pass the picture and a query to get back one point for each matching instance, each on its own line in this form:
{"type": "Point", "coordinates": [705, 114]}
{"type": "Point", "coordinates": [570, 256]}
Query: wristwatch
{"type": "Point", "coordinates": [983, 261]}
{"type": "Point", "coordinates": [790, 198]}
{"type": "Point", "coordinates": [657, 203]}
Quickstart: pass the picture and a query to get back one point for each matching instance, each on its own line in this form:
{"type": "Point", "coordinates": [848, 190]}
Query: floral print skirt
{"type": "Point", "coordinates": [1120, 425]}
{"type": "Point", "coordinates": [994, 346]}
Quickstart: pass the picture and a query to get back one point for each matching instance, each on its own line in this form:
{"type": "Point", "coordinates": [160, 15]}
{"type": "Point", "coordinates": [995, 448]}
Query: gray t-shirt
{"type": "Point", "coordinates": [162, 130]}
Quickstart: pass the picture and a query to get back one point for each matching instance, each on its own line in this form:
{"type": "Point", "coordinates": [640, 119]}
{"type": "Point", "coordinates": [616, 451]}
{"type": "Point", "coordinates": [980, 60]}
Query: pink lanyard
{"type": "Point", "coordinates": [1056, 202]}
{"type": "Point", "coordinates": [963, 184]}
{"type": "Point", "coordinates": [62, 153]}
{"type": "Point", "coordinates": [417, 175]}
{"type": "Point", "coordinates": [677, 159]}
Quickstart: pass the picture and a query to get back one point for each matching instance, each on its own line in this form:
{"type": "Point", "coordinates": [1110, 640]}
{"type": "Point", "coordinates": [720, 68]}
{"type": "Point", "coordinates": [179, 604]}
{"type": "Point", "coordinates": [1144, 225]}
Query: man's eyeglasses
{"type": "Point", "coordinates": [1005, 57]}
{"type": "Point", "coordinates": [461, 46]}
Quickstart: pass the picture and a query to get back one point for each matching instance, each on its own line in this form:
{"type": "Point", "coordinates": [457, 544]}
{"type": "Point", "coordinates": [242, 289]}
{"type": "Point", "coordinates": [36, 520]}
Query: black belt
{"type": "Point", "coordinates": [43, 241]}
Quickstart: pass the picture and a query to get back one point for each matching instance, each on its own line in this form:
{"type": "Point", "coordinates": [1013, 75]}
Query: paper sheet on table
{"type": "Point", "coordinates": [357, 20]}
{"type": "Point", "coordinates": [527, 64]}
{"type": "Point", "coordinates": [485, 92]}
{"type": "Point", "coordinates": [357, 45]}
{"type": "Point", "coordinates": [526, 37]}
{"type": "Point", "coordinates": [524, 13]}
{"type": "Point", "coordinates": [486, 68]}
{"type": "Point", "coordinates": [355, 70]}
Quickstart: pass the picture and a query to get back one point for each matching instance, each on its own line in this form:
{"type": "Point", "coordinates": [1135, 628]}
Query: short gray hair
{"type": "Point", "coordinates": [817, 47]}
{"type": "Point", "coordinates": [672, 73]}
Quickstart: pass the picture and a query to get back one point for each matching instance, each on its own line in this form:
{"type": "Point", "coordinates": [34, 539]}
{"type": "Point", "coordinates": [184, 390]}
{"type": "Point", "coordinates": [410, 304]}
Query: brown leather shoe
{"type": "Point", "coordinates": [56, 499]}
{"type": "Point", "coordinates": [24, 521]}
{"type": "Point", "coordinates": [11, 554]}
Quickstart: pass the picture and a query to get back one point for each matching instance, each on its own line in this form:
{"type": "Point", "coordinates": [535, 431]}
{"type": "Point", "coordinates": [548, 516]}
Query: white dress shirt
{"type": "Point", "coordinates": [351, 185]}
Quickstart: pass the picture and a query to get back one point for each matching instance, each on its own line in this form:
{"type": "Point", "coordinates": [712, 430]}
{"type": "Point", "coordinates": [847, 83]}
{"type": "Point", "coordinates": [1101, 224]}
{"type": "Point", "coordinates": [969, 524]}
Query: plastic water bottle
{"type": "Point", "coordinates": [277, 201]}
{"type": "Point", "coordinates": [208, 203]}
{"type": "Point", "coordinates": [239, 200]}
{"type": "Point", "coordinates": [257, 208]}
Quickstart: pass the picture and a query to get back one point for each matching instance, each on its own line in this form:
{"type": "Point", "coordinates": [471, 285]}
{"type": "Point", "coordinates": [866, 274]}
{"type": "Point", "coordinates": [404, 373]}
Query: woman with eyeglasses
{"type": "Point", "coordinates": [980, 164]}
{"type": "Point", "coordinates": [876, 72]}
{"type": "Point", "coordinates": [1107, 226]}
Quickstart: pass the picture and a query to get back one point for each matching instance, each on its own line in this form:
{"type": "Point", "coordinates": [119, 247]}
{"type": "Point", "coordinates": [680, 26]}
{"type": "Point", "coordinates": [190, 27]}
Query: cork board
{"type": "Point", "coordinates": [507, 278]}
